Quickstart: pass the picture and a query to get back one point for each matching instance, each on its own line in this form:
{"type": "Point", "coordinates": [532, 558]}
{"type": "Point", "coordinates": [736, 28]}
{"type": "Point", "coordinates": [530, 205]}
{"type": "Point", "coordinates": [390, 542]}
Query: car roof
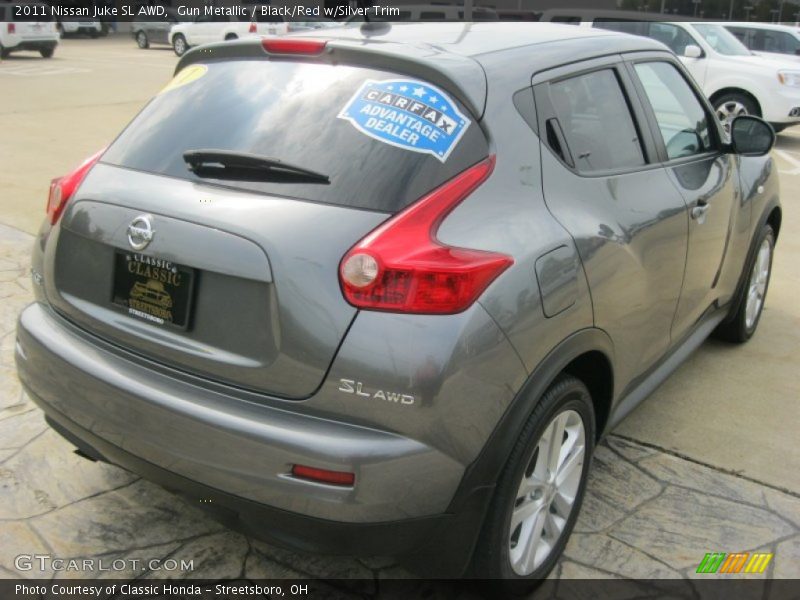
{"type": "Point", "coordinates": [459, 57]}
{"type": "Point", "coordinates": [479, 38]}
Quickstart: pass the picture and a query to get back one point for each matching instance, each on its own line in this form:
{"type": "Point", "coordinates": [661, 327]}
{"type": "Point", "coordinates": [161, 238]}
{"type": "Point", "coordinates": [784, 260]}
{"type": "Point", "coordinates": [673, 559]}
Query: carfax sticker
{"type": "Point", "coordinates": [408, 114]}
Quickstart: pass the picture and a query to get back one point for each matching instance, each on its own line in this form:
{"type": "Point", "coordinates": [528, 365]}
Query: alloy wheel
{"type": "Point", "coordinates": [728, 111]}
{"type": "Point", "coordinates": [180, 46]}
{"type": "Point", "coordinates": [757, 288]}
{"type": "Point", "coordinates": [547, 492]}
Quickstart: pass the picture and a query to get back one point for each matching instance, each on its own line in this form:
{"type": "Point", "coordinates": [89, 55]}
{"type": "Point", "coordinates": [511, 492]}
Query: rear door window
{"type": "Point", "coordinates": [293, 112]}
{"type": "Point", "coordinates": [596, 121]}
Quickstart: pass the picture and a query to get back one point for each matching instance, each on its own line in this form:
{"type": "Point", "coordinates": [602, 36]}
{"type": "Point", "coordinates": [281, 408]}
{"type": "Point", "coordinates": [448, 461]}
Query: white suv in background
{"type": "Point", "coordinates": [736, 81]}
{"type": "Point", "coordinates": [27, 26]}
{"type": "Point", "coordinates": [206, 30]}
{"type": "Point", "coordinates": [75, 26]}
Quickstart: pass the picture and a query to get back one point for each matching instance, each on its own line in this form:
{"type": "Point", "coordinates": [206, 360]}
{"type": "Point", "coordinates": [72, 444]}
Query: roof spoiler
{"type": "Point", "coordinates": [460, 76]}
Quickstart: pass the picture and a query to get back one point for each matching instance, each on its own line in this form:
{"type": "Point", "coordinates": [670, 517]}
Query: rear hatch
{"type": "Point", "coordinates": [239, 280]}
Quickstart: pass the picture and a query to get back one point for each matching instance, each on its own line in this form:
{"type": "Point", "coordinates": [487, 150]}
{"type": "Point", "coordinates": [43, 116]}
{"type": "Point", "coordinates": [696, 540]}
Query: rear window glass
{"type": "Point", "coordinates": [290, 111]}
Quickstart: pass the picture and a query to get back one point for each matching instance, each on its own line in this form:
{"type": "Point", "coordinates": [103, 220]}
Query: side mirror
{"type": "Point", "coordinates": [751, 136]}
{"type": "Point", "coordinates": [692, 51]}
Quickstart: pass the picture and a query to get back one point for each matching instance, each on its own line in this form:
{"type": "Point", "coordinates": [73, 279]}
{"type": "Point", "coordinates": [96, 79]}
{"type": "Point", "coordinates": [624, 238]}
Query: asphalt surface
{"type": "Point", "coordinates": [730, 413]}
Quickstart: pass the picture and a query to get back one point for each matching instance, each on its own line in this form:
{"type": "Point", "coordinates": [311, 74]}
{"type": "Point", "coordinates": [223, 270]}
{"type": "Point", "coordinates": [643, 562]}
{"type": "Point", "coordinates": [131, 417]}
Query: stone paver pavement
{"type": "Point", "coordinates": [647, 514]}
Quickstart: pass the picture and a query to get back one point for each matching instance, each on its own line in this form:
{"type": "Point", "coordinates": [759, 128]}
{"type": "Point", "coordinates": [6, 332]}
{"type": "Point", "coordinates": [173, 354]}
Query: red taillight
{"type": "Point", "coordinates": [252, 28]}
{"type": "Point", "coordinates": [402, 267]}
{"type": "Point", "coordinates": [323, 475]}
{"type": "Point", "coordinates": [293, 46]}
{"type": "Point", "coordinates": [63, 188]}
{"type": "Point", "coordinates": [12, 28]}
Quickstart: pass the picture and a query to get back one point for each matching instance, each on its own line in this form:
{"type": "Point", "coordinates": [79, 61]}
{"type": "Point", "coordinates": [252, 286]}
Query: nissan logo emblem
{"type": "Point", "coordinates": [140, 232]}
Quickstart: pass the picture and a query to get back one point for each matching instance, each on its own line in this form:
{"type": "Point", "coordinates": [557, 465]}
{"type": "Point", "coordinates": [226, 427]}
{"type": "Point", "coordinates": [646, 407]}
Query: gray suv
{"type": "Point", "coordinates": [372, 294]}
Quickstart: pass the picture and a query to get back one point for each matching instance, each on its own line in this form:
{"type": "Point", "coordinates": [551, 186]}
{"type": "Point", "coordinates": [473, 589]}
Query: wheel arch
{"type": "Point", "coordinates": [736, 90]}
{"type": "Point", "coordinates": [774, 218]}
{"type": "Point", "coordinates": [594, 369]}
{"type": "Point", "coordinates": [587, 354]}
{"type": "Point", "coordinates": [771, 215]}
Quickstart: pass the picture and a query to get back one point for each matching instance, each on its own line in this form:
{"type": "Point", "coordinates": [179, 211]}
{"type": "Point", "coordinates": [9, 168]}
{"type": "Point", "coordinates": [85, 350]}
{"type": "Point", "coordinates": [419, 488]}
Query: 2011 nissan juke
{"type": "Point", "coordinates": [381, 290]}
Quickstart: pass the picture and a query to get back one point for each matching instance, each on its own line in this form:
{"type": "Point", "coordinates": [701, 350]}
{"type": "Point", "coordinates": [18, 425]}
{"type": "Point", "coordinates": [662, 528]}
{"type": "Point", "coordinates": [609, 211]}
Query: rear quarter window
{"type": "Point", "coordinates": [288, 111]}
{"type": "Point", "coordinates": [597, 123]}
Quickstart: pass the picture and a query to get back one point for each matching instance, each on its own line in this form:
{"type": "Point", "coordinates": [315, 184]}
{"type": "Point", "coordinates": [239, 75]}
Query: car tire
{"type": "Point", "coordinates": [733, 104]}
{"type": "Point", "coordinates": [94, 35]}
{"type": "Point", "coordinates": [528, 485]}
{"type": "Point", "coordinates": [179, 44]}
{"type": "Point", "coordinates": [4, 52]}
{"type": "Point", "coordinates": [231, 36]}
{"type": "Point", "coordinates": [142, 41]}
{"type": "Point", "coordinates": [47, 52]}
{"type": "Point", "coordinates": [749, 303]}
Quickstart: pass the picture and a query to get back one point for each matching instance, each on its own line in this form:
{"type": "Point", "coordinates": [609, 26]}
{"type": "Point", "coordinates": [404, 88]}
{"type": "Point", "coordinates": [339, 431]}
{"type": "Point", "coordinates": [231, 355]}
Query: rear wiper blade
{"type": "Point", "coordinates": [224, 164]}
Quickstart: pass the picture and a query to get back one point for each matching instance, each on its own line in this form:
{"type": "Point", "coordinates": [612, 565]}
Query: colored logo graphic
{"type": "Point", "coordinates": [740, 562]}
{"type": "Point", "coordinates": [188, 75]}
{"type": "Point", "coordinates": [407, 114]}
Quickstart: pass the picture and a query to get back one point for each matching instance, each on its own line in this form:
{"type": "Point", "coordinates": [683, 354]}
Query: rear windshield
{"type": "Point", "coordinates": [297, 113]}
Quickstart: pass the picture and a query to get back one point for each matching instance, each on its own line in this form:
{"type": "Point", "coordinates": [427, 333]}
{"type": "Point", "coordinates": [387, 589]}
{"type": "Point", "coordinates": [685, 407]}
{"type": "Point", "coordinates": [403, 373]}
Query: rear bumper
{"type": "Point", "coordinates": [220, 440]}
{"type": "Point", "coordinates": [439, 546]}
{"type": "Point", "coordinates": [280, 527]}
{"type": "Point", "coordinates": [187, 446]}
{"type": "Point", "coordinates": [34, 45]}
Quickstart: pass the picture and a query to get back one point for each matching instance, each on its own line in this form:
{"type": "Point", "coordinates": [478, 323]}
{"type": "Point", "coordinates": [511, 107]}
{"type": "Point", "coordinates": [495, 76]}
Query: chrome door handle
{"type": "Point", "coordinates": [699, 211]}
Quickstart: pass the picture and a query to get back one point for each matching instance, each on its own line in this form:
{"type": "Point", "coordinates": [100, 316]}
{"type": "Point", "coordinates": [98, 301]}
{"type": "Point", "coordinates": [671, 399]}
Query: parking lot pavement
{"type": "Point", "coordinates": [647, 514]}
{"type": "Point", "coordinates": [56, 112]}
{"type": "Point", "coordinates": [699, 467]}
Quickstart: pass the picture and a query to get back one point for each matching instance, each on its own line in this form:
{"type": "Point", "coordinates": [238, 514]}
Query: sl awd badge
{"type": "Point", "coordinates": [350, 386]}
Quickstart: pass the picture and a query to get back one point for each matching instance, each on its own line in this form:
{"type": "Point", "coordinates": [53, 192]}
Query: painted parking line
{"type": "Point", "coordinates": [794, 162]}
{"type": "Point", "coordinates": [40, 70]}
